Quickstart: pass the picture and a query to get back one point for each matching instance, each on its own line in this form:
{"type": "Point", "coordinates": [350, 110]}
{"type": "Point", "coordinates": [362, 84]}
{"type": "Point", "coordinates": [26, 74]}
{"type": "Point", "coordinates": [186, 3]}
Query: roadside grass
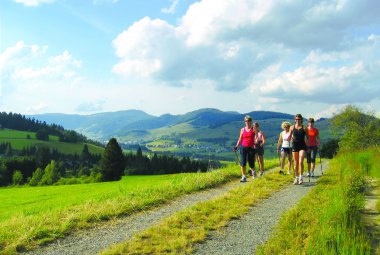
{"type": "Point", "coordinates": [328, 220]}
{"type": "Point", "coordinates": [30, 216]}
{"type": "Point", "coordinates": [178, 233]}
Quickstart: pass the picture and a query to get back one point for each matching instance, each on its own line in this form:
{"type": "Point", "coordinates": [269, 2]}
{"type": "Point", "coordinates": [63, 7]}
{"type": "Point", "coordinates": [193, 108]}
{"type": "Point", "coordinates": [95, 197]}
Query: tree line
{"type": "Point", "coordinates": [20, 122]}
{"type": "Point", "coordinates": [37, 166]}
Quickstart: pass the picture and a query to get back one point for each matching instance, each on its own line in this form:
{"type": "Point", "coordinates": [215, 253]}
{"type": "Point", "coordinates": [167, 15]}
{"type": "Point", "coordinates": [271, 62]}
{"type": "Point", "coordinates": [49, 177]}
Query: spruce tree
{"type": "Point", "coordinates": [112, 162]}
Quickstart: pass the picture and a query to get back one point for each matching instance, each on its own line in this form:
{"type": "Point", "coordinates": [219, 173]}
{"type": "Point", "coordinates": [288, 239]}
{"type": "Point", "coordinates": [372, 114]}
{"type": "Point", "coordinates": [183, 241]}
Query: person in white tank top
{"type": "Point", "coordinates": [284, 145]}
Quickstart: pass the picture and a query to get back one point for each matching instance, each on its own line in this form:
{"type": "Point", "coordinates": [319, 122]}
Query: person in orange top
{"type": "Point", "coordinates": [314, 142]}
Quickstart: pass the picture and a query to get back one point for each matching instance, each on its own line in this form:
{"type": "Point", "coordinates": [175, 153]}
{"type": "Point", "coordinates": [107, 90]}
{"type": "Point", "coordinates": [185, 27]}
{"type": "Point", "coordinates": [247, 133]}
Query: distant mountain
{"type": "Point", "coordinates": [197, 133]}
{"type": "Point", "coordinates": [100, 126]}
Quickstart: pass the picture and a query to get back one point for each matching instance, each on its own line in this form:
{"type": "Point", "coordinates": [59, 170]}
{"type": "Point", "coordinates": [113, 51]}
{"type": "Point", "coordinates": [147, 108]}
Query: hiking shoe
{"type": "Point", "coordinates": [295, 181]}
{"type": "Point", "coordinates": [254, 174]}
{"type": "Point", "coordinates": [281, 172]}
{"type": "Point", "coordinates": [243, 179]}
{"type": "Point", "coordinates": [250, 172]}
{"type": "Point", "coordinates": [300, 181]}
{"type": "Point", "coordinates": [312, 174]}
{"type": "Point", "coordinates": [308, 174]}
{"type": "Point", "coordinates": [261, 173]}
{"type": "Point", "coordinates": [288, 172]}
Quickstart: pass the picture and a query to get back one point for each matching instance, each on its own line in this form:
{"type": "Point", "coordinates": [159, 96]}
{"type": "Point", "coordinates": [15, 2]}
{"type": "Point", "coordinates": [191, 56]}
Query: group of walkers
{"type": "Point", "coordinates": [295, 143]}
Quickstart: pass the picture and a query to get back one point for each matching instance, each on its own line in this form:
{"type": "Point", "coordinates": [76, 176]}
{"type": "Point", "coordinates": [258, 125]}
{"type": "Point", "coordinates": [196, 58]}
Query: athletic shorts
{"type": "Point", "coordinates": [311, 154]}
{"type": "Point", "coordinates": [299, 147]}
{"type": "Point", "coordinates": [286, 150]}
{"type": "Point", "coordinates": [259, 150]}
{"type": "Point", "coordinates": [247, 153]}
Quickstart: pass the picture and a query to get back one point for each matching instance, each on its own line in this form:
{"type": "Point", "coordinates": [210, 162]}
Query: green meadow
{"type": "Point", "coordinates": [19, 140]}
{"type": "Point", "coordinates": [30, 216]}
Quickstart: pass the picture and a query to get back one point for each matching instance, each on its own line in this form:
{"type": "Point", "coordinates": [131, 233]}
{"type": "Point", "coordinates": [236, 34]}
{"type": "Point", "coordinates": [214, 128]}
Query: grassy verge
{"type": "Point", "coordinates": [30, 216]}
{"type": "Point", "coordinates": [328, 220]}
{"type": "Point", "coordinates": [178, 233]}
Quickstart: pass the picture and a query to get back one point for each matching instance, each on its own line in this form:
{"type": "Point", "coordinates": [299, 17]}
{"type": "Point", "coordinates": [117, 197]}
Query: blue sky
{"type": "Point", "coordinates": [176, 56]}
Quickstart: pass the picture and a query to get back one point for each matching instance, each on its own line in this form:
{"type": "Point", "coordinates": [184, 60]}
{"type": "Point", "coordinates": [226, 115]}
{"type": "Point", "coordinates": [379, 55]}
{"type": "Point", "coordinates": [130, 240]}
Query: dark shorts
{"type": "Point", "coordinates": [247, 153]}
{"type": "Point", "coordinates": [259, 150]}
{"type": "Point", "coordinates": [311, 154]}
{"type": "Point", "coordinates": [299, 147]}
{"type": "Point", "coordinates": [286, 150]}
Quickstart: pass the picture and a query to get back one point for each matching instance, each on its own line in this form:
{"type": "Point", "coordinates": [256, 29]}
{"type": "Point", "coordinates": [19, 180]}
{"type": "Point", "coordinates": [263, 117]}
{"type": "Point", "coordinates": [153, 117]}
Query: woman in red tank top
{"type": "Point", "coordinates": [247, 151]}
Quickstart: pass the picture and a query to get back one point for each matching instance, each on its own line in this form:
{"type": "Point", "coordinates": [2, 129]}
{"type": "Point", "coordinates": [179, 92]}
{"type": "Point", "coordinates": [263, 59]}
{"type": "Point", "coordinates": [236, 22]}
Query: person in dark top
{"type": "Point", "coordinates": [299, 136]}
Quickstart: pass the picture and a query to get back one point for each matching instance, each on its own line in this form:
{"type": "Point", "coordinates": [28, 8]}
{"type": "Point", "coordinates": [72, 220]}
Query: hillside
{"type": "Point", "coordinates": [23, 139]}
{"type": "Point", "coordinates": [202, 133]}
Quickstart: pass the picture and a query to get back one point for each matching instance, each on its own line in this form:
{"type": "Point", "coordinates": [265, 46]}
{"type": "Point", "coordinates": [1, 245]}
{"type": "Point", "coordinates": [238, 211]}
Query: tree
{"type": "Point", "coordinates": [17, 178]}
{"type": "Point", "coordinates": [42, 134]}
{"type": "Point", "coordinates": [42, 156]}
{"type": "Point", "coordinates": [51, 174]}
{"type": "Point", "coordinates": [85, 155]}
{"type": "Point", "coordinates": [36, 177]}
{"type": "Point", "coordinates": [329, 148]}
{"type": "Point", "coordinates": [360, 130]}
{"type": "Point", "coordinates": [112, 162]}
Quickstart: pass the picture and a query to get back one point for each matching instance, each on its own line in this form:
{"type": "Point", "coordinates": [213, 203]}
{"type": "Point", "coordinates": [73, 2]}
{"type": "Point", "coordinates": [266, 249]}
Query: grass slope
{"type": "Point", "coordinates": [19, 140]}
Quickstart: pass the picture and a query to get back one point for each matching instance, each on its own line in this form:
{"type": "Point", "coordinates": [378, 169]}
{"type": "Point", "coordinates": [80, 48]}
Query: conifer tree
{"type": "Point", "coordinates": [112, 162]}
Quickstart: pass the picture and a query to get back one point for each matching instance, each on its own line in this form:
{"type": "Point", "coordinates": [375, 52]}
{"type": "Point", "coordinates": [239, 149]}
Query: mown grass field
{"type": "Point", "coordinates": [30, 216]}
{"type": "Point", "coordinates": [19, 140]}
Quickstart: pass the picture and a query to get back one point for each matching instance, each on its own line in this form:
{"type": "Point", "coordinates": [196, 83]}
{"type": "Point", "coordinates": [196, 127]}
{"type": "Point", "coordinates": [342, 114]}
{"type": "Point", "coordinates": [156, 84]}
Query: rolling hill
{"type": "Point", "coordinates": [202, 133]}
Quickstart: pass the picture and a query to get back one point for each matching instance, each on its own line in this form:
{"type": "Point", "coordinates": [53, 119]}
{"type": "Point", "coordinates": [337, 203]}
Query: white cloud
{"type": "Point", "coordinates": [172, 7]}
{"type": "Point", "coordinates": [33, 3]}
{"type": "Point", "coordinates": [233, 45]}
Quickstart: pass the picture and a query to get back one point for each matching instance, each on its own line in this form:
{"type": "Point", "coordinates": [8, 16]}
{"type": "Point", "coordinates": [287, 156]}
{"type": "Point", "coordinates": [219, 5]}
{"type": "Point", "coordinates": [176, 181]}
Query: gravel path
{"type": "Point", "coordinates": [97, 239]}
{"type": "Point", "coordinates": [92, 241]}
{"type": "Point", "coordinates": [242, 236]}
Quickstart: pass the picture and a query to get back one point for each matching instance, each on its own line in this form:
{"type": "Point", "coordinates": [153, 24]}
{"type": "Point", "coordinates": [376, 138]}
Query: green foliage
{"type": "Point", "coordinates": [17, 178]}
{"type": "Point", "coordinates": [51, 174]}
{"type": "Point", "coordinates": [360, 130]}
{"type": "Point", "coordinates": [42, 134]}
{"type": "Point", "coordinates": [36, 177]}
{"type": "Point", "coordinates": [112, 162]}
{"type": "Point", "coordinates": [330, 148]}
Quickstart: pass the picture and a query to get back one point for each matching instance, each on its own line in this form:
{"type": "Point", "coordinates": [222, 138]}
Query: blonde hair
{"type": "Point", "coordinates": [286, 124]}
{"type": "Point", "coordinates": [247, 118]}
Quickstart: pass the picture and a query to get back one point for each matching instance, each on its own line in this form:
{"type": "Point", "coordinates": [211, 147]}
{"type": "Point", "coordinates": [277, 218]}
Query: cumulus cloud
{"type": "Point", "coordinates": [23, 61]}
{"type": "Point", "coordinates": [33, 3]}
{"type": "Point", "coordinates": [270, 46]}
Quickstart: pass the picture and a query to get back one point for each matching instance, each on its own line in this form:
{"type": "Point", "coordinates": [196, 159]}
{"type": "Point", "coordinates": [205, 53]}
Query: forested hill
{"type": "Point", "coordinates": [20, 122]}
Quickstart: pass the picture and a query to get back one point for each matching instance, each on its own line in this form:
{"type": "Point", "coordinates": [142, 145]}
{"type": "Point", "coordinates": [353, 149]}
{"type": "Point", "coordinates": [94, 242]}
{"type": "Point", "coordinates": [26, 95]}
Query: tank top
{"type": "Point", "coordinates": [259, 138]}
{"type": "Point", "coordinates": [313, 132]}
{"type": "Point", "coordinates": [285, 137]}
{"type": "Point", "coordinates": [248, 138]}
{"type": "Point", "coordinates": [299, 136]}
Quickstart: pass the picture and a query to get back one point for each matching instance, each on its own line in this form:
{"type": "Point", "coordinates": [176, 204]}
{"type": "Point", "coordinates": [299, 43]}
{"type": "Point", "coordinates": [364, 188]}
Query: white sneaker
{"type": "Point", "coordinates": [300, 181]}
{"type": "Point", "coordinates": [288, 172]}
{"type": "Point", "coordinates": [295, 181]}
{"type": "Point", "coordinates": [243, 179]}
{"type": "Point", "coordinates": [308, 174]}
{"type": "Point", "coordinates": [261, 173]}
{"type": "Point", "coordinates": [312, 174]}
